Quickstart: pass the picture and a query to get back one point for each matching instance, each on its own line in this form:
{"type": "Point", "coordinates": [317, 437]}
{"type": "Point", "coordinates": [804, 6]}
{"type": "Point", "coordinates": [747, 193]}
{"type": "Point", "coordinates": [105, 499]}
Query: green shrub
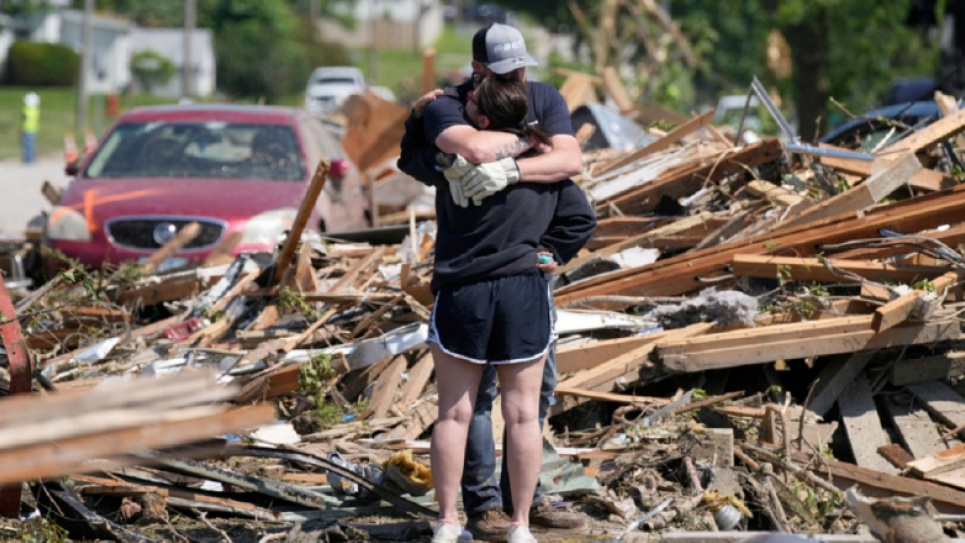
{"type": "Point", "coordinates": [42, 65]}
{"type": "Point", "coordinates": [151, 68]}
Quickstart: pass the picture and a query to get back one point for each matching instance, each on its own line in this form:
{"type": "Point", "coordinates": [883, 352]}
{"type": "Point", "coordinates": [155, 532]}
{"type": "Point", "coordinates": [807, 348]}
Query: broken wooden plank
{"type": "Point", "coordinates": [939, 462]}
{"type": "Point", "coordinates": [861, 423]}
{"type": "Point", "coordinates": [864, 195]}
{"type": "Point", "coordinates": [73, 455]}
{"type": "Point", "coordinates": [284, 258]}
{"type": "Point", "coordinates": [769, 351]}
{"type": "Point", "coordinates": [589, 355]}
{"type": "Point", "coordinates": [814, 269]}
{"type": "Point", "coordinates": [169, 249]}
{"type": "Point", "coordinates": [896, 311]}
{"type": "Point", "coordinates": [937, 131]}
{"type": "Point", "coordinates": [925, 179]}
{"type": "Point", "coordinates": [386, 389]}
{"type": "Point", "coordinates": [671, 138]}
{"type": "Point", "coordinates": [623, 368]}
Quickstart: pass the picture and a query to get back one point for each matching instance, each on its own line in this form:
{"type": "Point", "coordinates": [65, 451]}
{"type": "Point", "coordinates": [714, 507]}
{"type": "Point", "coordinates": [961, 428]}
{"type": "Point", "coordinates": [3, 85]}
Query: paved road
{"type": "Point", "coordinates": [20, 196]}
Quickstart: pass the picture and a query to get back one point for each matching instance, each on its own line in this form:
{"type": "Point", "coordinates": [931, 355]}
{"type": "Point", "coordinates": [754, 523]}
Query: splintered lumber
{"type": "Point", "coordinates": [74, 454]}
{"type": "Point", "coordinates": [641, 240]}
{"type": "Point", "coordinates": [946, 103]}
{"type": "Point", "coordinates": [590, 355]}
{"type": "Point", "coordinates": [939, 130]}
{"type": "Point", "coordinates": [671, 138]}
{"type": "Point", "coordinates": [386, 389]}
{"type": "Point", "coordinates": [609, 396]}
{"type": "Point", "coordinates": [624, 368]}
{"type": "Point", "coordinates": [860, 418]}
{"type": "Point", "coordinates": [418, 377]}
{"type": "Point", "coordinates": [915, 428]}
{"type": "Point", "coordinates": [690, 177]}
{"type": "Point", "coordinates": [864, 195]}
{"type": "Point", "coordinates": [897, 310]}
{"type": "Point", "coordinates": [925, 179]}
{"type": "Point", "coordinates": [834, 379]}
{"type": "Point", "coordinates": [779, 195]}
{"type": "Point", "coordinates": [874, 483]}
{"type": "Point", "coordinates": [301, 219]}
{"type": "Point", "coordinates": [756, 351]}
{"type": "Point", "coordinates": [616, 90]}
{"type": "Point", "coordinates": [682, 273]}
{"type": "Point", "coordinates": [182, 238]}
{"type": "Point", "coordinates": [821, 269]}
{"type": "Point", "coordinates": [171, 288]}
{"type": "Point", "coordinates": [939, 462]}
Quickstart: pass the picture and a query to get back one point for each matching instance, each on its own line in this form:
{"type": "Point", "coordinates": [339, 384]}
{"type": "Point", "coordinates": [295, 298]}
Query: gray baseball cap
{"type": "Point", "coordinates": [501, 48]}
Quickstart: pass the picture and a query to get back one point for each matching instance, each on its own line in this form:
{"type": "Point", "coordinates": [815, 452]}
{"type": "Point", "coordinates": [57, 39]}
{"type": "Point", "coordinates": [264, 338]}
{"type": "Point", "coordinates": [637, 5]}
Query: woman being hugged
{"type": "Point", "coordinates": [494, 306]}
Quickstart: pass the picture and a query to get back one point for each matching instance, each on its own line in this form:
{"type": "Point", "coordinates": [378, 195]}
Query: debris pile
{"type": "Point", "coordinates": [762, 337]}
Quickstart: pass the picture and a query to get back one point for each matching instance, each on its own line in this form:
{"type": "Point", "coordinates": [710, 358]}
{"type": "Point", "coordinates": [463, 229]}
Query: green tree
{"type": "Point", "coordinates": [151, 68]}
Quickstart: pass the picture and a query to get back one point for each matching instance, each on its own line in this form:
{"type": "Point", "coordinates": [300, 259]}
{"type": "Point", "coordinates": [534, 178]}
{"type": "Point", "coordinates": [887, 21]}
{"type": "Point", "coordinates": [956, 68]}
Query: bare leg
{"type": "Point", "coordinates": [457, 381]}
{"type": "Point", "coordinates": [520, 385]}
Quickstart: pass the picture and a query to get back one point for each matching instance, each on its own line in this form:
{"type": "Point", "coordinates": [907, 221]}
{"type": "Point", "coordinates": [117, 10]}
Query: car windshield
{"type": "Point", "coordinates": [200, 149]}
{"type": "Point", "coordinates": [332, 80]}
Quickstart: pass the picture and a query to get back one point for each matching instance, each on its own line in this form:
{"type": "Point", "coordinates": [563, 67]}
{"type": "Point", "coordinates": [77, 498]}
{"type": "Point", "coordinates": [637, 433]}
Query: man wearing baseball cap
{"type": "Point", "coordinates": [438, 125]}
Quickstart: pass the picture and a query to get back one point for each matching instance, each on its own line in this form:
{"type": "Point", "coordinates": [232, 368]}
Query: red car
{"type": "Point", "coordinates": [230, 168]}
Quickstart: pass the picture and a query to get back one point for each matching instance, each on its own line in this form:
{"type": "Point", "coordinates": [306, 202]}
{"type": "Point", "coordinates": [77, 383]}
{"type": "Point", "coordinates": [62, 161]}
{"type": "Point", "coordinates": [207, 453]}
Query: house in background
{"type": "Point", "coordinates": [114, 42]}
{"type": "Point", "coordinates": [395, 24]}
{"type": "Point", "coordinates": [169, 43]}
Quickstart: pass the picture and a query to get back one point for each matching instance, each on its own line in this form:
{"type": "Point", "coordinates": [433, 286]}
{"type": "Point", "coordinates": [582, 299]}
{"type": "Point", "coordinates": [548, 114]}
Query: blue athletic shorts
{"type": "Point", "coordinates": [499, 321]}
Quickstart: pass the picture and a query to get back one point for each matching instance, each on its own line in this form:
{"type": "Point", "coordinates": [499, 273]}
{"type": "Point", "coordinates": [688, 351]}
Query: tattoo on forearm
{"type": "Point", "coordinates": [513, 149]}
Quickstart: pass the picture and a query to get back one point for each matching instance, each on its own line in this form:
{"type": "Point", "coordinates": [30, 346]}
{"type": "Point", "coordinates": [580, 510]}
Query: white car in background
{"type": "Point", "coordinates": [329, 87]}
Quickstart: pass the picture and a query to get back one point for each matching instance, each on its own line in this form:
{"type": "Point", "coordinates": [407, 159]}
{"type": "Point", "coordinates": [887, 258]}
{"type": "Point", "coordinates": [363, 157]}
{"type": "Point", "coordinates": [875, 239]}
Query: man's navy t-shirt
{"type": "Point", "coordinates": [547, 110]}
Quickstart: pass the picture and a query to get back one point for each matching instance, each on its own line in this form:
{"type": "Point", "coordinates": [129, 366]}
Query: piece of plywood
{"type": "Point", "coordinates": [860, 418]}
{"type": "Point", "coordinates": [896, 311]}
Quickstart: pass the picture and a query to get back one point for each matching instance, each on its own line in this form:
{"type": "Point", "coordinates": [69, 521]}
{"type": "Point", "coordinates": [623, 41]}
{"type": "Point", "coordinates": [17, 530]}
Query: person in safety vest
{"type": "Point", "coordinates": [29, 126]}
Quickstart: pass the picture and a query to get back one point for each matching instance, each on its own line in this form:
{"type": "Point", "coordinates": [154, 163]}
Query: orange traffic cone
{"type": "Point", "coordinates": [90, 142]}
{"type": "Point", "coordinates": [70, 149]}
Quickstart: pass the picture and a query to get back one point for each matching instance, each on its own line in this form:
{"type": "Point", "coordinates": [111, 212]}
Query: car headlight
{"type": "Point", "coordinates": [67, 224]}
{"type": "Point", "coordinates": [267, 227]}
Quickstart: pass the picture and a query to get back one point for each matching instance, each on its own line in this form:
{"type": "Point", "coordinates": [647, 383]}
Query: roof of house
{"type": "Point", "coordinates": [169, 42]}
{"type": "Point", "coordinates": [97, 21]}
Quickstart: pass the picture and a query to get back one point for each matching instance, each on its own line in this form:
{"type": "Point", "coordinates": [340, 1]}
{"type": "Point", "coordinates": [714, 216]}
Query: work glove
{"type": "Point", "coordinates": [455, 167]}
{"type": "Point", "coordinates": [487, 179]}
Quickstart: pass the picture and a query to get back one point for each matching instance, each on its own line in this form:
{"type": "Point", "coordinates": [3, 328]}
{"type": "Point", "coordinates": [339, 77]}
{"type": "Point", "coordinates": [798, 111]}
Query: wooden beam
{"type": "Point", "coordinates": [937, 131]}
{"type": "Point", "coordinates": [301, 219]}
{"type": "Point", "coordinates": [609, 396]}
{"type": "Point", "coordinates": [864, 195]}
{"type": "Point", "coordinates": [603, 377]}
{"type": "Point", "coordinates": [73, 455]}
{"type": "Point", "coordinates": [896, 311]}
{"type": "Point", "coordinates": [770, 351]}
{"type": "Point", "coordinates": [428, 70]}
{"type": "Point", "coordinates": [590, 355]}
{"type": "Point", "coordinates": [925, 179]}
{"type": "Point", "coordinates": [386, 389]}
{"type": "Point", "coordinates": [169, 249]}
{"type": "Point", "coordinates": [618, 92]}
{"type": "Point", "coordinates": [683, 273]}
{"type": "Point", "coordinates": [814, 269]}
{"type": "Point", "coordinates": [671, 138]}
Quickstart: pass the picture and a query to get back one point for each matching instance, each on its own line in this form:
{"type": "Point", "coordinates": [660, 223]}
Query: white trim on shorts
{"type": "Point", "coordinates": [435, 337]}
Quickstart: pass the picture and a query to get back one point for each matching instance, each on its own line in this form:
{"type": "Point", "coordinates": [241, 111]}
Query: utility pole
{"type": "Point", "coordinates": [80, 120]}
{"type": "Point", "coordinates": [313, 12]}
{"type": "Point", "coordinates": [187, 59]}
{"type": "Point", "coordinates": [373, 53]}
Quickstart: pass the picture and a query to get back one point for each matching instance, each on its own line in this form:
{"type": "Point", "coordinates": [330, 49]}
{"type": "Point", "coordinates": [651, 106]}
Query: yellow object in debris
{"type": "Point", "coordinates": [715, 502]}
{"type": "Point", "coordinates": [411, 476]}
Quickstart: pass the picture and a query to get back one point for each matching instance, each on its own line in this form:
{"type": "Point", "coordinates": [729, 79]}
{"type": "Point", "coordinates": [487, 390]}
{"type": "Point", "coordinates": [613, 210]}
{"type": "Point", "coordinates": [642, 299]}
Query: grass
{"type": "Point", "coordinates": [57, 114]}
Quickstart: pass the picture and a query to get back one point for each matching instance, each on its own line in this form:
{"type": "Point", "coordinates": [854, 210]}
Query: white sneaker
{"type": "Point", "coordinates": [450, 533]}
{"type": "Point", "coordinates": [520, 534]}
